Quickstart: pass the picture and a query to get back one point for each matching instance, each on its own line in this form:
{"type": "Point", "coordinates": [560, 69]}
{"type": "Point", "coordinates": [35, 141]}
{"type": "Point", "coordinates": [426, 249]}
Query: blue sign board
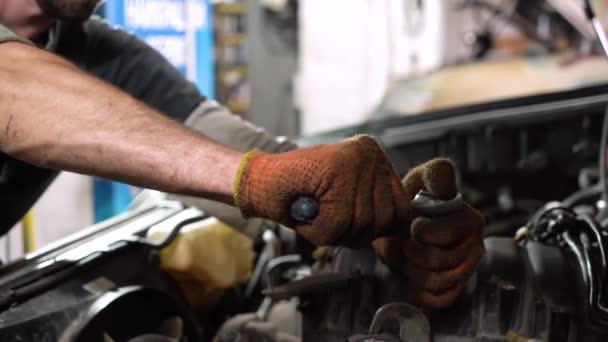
{"type": "Point", "coordinates": [182, 31]}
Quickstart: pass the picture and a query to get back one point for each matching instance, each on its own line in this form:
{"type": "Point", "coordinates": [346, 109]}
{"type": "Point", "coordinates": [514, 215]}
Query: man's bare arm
{"type": "Point", "coordinates": [53, 115]}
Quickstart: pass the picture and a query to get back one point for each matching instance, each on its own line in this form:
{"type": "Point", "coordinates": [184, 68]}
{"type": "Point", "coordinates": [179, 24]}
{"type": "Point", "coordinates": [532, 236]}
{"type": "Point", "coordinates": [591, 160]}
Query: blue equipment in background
{"type": "Point", "coordinates": [182, 31]}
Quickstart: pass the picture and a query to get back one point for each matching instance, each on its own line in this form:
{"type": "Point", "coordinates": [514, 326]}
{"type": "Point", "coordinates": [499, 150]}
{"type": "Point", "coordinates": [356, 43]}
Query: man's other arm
{"type": "Point", "coordinates": [53, 115]}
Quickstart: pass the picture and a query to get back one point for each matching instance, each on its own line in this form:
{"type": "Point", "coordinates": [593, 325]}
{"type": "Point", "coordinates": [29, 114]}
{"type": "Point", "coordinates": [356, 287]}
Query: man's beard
{"type": "Point", "coordinates": [71, 10]}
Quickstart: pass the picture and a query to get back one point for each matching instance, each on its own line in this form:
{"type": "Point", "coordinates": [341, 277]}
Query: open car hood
{"type": "Point", "coordinates": [466, 96]}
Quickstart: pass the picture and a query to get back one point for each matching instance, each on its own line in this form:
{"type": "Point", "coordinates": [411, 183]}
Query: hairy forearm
{"type": "Point", "coordinates": [53, 115]}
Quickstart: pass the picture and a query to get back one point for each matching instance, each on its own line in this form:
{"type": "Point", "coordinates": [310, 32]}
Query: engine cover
{"type": "Point", "coordinates": [525, 292]}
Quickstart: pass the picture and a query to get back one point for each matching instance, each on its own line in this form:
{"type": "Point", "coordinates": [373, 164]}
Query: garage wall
{"type": "Point", "coordinates": [351, 51]}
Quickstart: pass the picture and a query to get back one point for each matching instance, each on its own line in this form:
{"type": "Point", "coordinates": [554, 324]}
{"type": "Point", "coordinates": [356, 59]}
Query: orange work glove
{"type": "Point", "coordinates": [437, 255]}
{"type": "Point", "coordinates": [359, 193]}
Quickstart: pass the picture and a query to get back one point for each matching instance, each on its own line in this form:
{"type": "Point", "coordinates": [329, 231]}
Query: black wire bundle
{"type": "Point", "coordinates": [580, 233]}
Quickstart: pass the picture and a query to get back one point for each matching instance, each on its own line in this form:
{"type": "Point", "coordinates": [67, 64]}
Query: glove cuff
{"type": "Point", "coordinates": [241, 173]}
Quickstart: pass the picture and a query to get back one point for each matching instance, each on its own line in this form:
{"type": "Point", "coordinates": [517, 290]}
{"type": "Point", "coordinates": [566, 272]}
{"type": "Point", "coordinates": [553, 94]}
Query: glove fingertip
{"type": "Point", "coordinates": [439, 178]}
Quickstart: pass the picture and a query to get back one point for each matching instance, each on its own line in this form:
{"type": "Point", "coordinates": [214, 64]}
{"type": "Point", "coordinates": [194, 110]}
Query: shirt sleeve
{"type": "Point", "coordinates": [130, 64]}
{"type": "Point", "coordinates": [218, 124]}
{"type": "Point", "coordinates": [7, 35]}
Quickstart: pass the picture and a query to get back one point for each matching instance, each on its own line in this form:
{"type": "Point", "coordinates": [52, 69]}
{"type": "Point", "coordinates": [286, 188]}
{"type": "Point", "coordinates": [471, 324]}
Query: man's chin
{"type": "Point", "coordinates": [69, 10]}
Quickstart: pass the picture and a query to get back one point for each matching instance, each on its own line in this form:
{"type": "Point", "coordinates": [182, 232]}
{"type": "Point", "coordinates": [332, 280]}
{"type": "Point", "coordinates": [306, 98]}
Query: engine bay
{"type": "Point", "coordinates": [530, 166]}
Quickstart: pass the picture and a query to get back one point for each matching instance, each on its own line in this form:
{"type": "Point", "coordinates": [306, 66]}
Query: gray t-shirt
{"type": "Point", "coordinates": [7, 35]}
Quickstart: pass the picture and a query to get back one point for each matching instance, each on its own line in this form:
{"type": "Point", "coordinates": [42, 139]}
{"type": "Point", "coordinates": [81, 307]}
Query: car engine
{"type": "Point", "coordinates": [530, 166]}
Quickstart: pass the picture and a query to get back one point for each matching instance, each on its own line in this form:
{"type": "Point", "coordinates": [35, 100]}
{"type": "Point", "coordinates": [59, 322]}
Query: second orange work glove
{"type": "Point", "coordinates": [359, 193]}
{"type": "Point", "coordinates": [436, 255]}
